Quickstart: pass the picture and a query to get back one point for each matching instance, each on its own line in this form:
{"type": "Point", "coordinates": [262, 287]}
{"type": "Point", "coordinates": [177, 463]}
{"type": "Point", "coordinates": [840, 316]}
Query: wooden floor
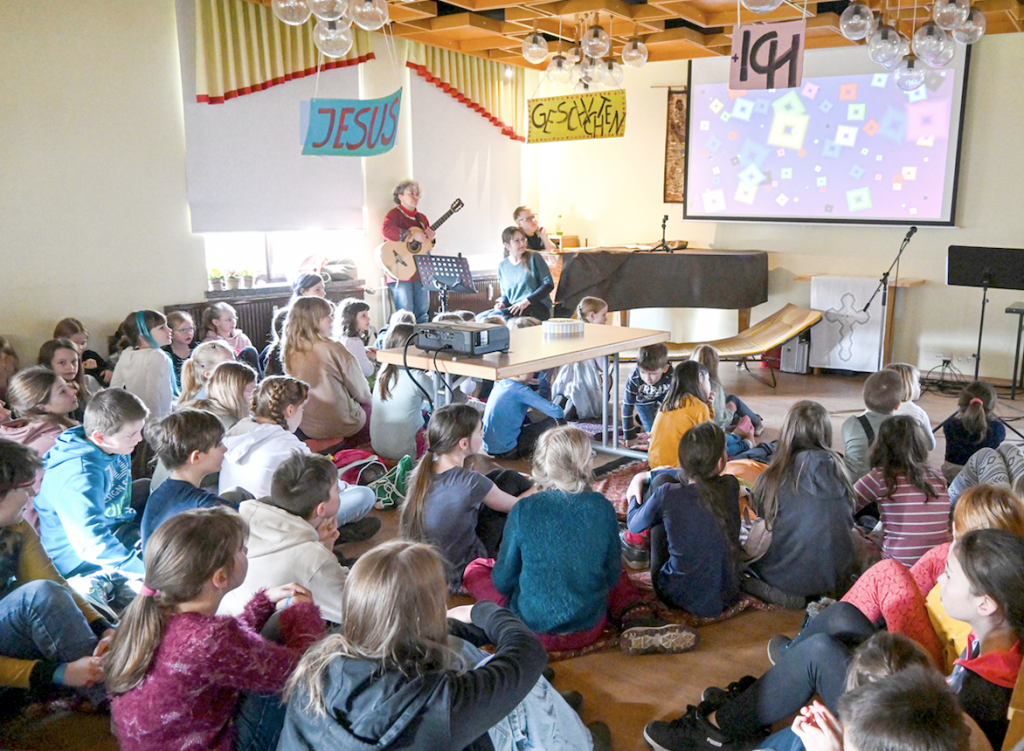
{"type": "Point", "coordinates": [626, 692]}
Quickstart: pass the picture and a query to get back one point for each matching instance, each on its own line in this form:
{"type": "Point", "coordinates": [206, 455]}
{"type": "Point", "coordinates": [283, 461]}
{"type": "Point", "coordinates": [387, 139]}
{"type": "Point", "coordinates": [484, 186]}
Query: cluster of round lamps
{"type": "Point", "coordinates": [334, 19]}
{"type": "Point", "coordinates": [585, 62]}
{"type": "Point", "coordinates": [933, 45]}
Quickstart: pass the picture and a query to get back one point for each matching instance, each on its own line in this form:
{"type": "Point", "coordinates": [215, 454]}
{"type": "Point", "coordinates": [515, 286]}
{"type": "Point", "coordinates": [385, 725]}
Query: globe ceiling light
{"type": "Point", "coordinates": [291, 12]}
{"type": "Point", "coordinates": [971, 30]}
{"type": "Point", "coordinates": [370, 15]}
{"type": "Point", "coordinates": [559, 70]}
{"type": "Point", "coordinates": [904, 50]}
{"type": "Point", "coordinates": [949, 14]}
{"type": "Point", "coordinates": [582, 86]}
{"type": "Point", "coordinates": [596, 42]}
{"type": "Point", "coordinates": [856, 22]}
{"type": "Point", "coordinates": [884, 44]}
{"type": "Point", "coordinates": [535, 48]}
{"type": "Point", "coordinates": [328, 10]}
{"type": "Point", "coordinates": [761, 6]}
{"type": "Point", "coordinates": [910, 73]}
{"type": "Point", "coordinates": [333, 38]}
{"type": "Point", "coordinates": [574, 55]}
{"type": "Point", "coordinates": [634, 54]}
{"type": "Point", "coordinates": [613, 73]}
{"type": "Point", "coordinates": [931, 42]}
{"type": "Point", "coordinates": [592, 68]}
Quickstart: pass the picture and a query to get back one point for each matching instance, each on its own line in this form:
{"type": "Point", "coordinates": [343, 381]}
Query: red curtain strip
{"type": "Point", "coordinates": [206, 99]}
{"type": "Point", "coordinates": [454, 93]}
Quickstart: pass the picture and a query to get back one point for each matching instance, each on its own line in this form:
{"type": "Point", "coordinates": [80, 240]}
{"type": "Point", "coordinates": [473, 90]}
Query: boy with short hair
{"type": "Point", "coordinates": [508, 432]}
{"type": "Point", "coordinates": [292, 534]}
{"type": "Point", "coordinates": [190, 444]}
{"type": "Point", "coordinates": [883, 392]}
{"type": "Point", "coordinates": [87, 523]}
{"type": "Point", "coordinates": [646, 389]}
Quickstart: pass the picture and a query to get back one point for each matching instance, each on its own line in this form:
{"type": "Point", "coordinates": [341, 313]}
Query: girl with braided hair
{"type": "Point", "coordinates": [259, 443]}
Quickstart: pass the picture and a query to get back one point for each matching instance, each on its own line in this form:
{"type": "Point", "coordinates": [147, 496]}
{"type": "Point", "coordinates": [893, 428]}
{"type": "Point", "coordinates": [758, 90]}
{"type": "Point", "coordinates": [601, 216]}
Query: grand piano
{"type": "Point", "coordinates": [693, 278]}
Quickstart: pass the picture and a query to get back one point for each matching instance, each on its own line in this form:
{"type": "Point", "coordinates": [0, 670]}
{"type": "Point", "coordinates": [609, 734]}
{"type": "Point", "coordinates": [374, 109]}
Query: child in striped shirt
{"type": "Point", "coordinates": [912, 499]}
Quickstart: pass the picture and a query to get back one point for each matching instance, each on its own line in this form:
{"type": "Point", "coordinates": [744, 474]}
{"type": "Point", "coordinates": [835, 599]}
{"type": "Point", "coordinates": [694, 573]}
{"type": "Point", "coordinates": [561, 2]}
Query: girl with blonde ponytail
{"type": "Point", "coordinates": [460, 511]}
{"type": "Point", "coordinates": [172, 657]}
{"type": "Point", "coordinates": [197, 369]}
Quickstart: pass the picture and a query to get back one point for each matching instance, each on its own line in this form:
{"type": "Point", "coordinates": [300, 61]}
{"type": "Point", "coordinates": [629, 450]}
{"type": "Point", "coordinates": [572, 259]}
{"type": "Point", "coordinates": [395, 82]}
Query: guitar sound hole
{"type": "Point", "coordinates": [414, 245]}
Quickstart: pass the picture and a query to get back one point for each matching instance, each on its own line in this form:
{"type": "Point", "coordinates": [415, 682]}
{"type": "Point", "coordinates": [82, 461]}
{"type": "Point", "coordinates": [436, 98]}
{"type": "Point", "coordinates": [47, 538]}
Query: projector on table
{"type": "Point", "coordinates": [467, 338]}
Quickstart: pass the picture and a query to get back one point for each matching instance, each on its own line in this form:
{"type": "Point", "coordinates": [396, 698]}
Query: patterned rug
{"type": "Point", "coordinates": [613, 485]}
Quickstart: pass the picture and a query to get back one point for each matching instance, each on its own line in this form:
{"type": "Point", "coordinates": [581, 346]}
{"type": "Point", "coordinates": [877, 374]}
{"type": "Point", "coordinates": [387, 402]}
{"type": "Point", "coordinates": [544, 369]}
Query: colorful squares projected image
{"type": "Point", "coordinates": [841, 147]}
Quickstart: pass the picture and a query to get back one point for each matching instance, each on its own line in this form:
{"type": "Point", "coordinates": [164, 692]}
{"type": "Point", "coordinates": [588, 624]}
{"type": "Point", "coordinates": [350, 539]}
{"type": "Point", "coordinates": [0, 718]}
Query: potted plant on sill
{"type": "Point", "coordinates": [248, 278]}
{"type": "Point", "coordinates": [216, 279]}
{"type": "Point", "coordinates": [232, 280]}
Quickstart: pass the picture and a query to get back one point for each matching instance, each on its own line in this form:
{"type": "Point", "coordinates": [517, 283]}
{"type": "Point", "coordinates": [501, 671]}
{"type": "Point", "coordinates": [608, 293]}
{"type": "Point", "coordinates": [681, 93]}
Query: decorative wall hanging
{"type": "Point", "coordinates": [675, 145]}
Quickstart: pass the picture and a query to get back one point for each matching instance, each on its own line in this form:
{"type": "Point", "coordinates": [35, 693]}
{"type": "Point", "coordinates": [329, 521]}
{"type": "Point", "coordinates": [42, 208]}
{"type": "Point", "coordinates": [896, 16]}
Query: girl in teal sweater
{"type": "Point", "coordinates": [559, 568]}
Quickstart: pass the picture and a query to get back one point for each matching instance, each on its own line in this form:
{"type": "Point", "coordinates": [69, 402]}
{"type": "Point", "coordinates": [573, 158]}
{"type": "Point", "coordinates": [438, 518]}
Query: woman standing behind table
{"type": "Point", "coordinates": [525, 279]}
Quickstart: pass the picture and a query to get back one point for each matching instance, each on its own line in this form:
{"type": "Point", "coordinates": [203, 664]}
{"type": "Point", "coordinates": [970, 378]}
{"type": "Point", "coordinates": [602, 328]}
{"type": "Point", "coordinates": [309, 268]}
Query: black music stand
{"type": "Point", "coordinates": [999, 268]}
{"type": "Point", "coordinates": [445, 274]}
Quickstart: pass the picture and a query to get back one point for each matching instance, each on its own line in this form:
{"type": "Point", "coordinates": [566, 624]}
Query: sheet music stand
{"type": "Point", "coordinates": [445, 274]}
{"type": "Point", "coordinates": [1001, 268]}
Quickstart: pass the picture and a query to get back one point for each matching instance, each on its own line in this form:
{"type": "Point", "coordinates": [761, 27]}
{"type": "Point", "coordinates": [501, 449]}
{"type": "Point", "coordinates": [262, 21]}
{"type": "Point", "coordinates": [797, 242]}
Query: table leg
{"type": "Point", "coordinates": [615, 390]}
{"type": "Point", "coordinates": [743, 319]}
{"type": "Point", "coordinates": [604, 409]}
{"type": "Point", "coordinates": [1016, 357]}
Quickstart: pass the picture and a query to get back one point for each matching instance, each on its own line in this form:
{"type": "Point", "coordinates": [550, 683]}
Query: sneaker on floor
{"type": "Point", "coordinates": [574, 699]}
{"type": "Point", "coordinates": [636, 557]}
{"type": "Point", "coordinates": [601, 736]}
{"type": "Point", "coordinates": [765, 592]}
{"type": "Point", "coordinates": [777, 646]}
{"type": "Point", "coordinates": [358, 531]}
{"type": "Point", "coordinates": [691, 732]}
{"type": "Point", "coordinates": [670, 638]}
{"type": "Point", "coordinates": [713, 697]}
{"type": "Point", "coordinates": [759, 427]}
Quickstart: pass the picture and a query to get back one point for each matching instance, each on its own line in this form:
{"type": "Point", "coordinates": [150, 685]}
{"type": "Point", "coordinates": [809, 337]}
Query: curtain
{"type": "Point", "coordinates": [479, 84]}
{"type": "Point", "coordinates": [241, 47]}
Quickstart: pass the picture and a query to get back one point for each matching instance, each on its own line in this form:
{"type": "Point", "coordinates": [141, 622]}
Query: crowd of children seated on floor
{"type": "Point", "coordinates": [171, 544]}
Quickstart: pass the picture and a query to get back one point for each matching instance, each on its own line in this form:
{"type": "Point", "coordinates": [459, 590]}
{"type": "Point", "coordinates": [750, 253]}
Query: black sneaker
{"type": "Point", "coordinates": [358, 531]}
{"type": "Point", "coordinates": [548, 672]}
{"type": "Point", "coordinates": [636, 557]}
{"type": "Point", "coordinates": [691, 732]}
{"type": "Point", "coordinates": [574, 699]}
{"type": "Point", "coordinates": [713, 697]}
{"type": "Point", "coordinates": [601, 736]}
{"type": "Point", "coordinates": [777, 646]}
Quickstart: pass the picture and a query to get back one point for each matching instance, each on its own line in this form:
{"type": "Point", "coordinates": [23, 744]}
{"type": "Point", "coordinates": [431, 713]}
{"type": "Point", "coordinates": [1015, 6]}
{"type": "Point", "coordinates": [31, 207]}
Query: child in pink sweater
{"type": "Point", "coordinates": [182, 678]}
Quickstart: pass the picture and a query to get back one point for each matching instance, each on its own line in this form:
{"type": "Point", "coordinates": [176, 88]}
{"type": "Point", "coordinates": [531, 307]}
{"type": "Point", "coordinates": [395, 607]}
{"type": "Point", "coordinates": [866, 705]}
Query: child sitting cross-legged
{"type": "Point", "coordinates": [559, 568]}
{"type": "Point", "coordinates": [86, 512]}
{"type": "Point", "coordinates": [449, 505]}
{"type": "Point", "coordinates": [973, 427]}
{"type": "Point", "coordinates": [183, 678]}
{"type": "Point", "coordinates": [190, 443]}
{"type": "Point", "coordinates": [645, 390]}
{"type": "Point", "coordinates": [687, 403]}
{"type": "Point", "coordinates": [695, 526]}
{"type": "Point", "coordinates": [49, 635]}
{"type": "Point", "coordinates": [508, 431]}
{"type": "Point", "coordinates": [883, 392]}
{"type": "Point", "coordinates": [291, 536]}
{"type": "Point", "coordinates": [911, 497]}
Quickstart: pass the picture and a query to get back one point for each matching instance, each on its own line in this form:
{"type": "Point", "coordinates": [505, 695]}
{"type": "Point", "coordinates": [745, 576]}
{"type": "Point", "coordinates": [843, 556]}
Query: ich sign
{"type": "Point", "coordinates": [767, 56]}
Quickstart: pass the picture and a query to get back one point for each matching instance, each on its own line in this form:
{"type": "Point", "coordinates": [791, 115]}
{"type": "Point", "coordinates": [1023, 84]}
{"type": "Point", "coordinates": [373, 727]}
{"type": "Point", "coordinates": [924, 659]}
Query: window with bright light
{"type": "Point", "coordinates": [277, 256]}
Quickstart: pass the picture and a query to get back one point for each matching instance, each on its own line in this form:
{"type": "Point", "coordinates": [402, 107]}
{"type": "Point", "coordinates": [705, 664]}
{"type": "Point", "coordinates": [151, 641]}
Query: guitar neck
{"type": "Point", "coordinates": [444, 218]}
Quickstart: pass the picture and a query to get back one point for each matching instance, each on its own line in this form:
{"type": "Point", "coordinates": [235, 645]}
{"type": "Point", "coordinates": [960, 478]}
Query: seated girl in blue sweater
{"type": "Point", "coordinates": [559, 568]}
{"type": "Point", "coordinates": [695, 527]}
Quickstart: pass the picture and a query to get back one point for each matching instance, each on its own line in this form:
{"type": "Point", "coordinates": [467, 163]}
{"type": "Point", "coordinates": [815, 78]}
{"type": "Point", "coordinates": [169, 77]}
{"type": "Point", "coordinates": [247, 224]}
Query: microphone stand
{"type": "Point", "coordinates": [662, 246]}
{"type": "Point", "coordinates": [883, 287]}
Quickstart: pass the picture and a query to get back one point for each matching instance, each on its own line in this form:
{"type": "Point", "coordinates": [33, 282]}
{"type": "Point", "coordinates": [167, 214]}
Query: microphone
{"type": "Point", "coordinates": [910, 234]}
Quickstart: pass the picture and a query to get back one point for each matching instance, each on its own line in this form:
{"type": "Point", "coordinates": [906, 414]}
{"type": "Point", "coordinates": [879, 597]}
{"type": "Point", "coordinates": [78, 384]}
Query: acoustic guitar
{"type": "Point", "coordinates": [396, 256]}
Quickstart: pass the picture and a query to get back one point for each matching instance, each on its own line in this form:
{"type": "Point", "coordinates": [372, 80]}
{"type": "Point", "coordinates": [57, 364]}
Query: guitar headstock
{"type": "Point", "coordinates": [456, 205]}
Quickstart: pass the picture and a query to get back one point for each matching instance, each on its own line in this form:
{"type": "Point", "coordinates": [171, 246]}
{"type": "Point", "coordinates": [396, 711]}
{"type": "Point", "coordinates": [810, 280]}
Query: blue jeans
{"type": "Point", "coordinates": [647, 413]}
{"type": "Point", "coordinates": [742, 410]}
{"type": "Point", "coordinates": [412, 296]}
{"type": "Point", "coordinates": [814, 662]}
{"type": "Point", "coordinates": [258, 722]}
{"type": "Point", "coordinates": [40, 621]}
{"type": "Point", "coordinates": [356, 503]}
{"type": "Point", "coordinates": [735, 445]}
